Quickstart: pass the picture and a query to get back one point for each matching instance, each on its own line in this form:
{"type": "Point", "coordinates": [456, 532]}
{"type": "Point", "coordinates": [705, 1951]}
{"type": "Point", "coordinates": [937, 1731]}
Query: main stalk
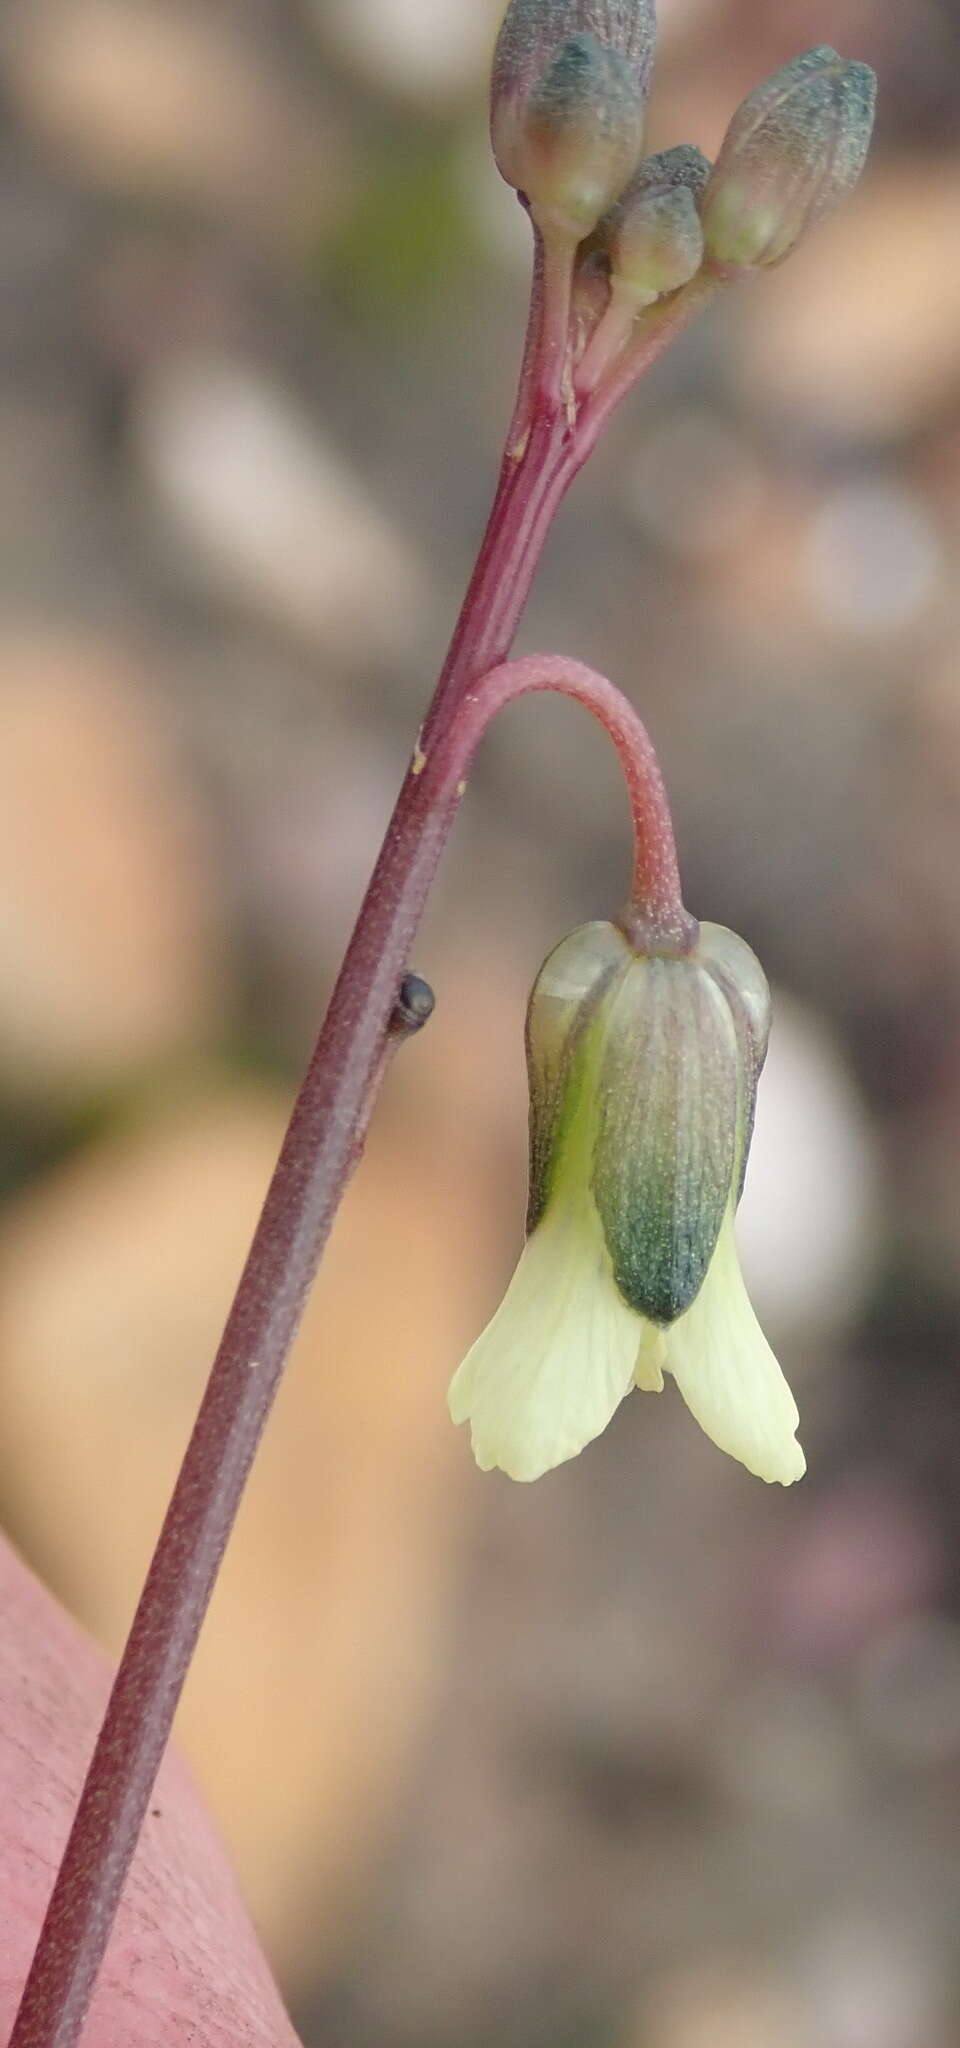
{"type": "Point", "coordinates": [323, 1142]}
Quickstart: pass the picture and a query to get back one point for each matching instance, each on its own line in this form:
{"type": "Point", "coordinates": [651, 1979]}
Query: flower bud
{"type": "Point", "coordinates": [643, 1075]}
{"type": "Point", "coordinates": [793, 150]}
{"type": "Point", "coordinates": [653, 233]}
{"type": "Point", "coordinates": [570, 81]}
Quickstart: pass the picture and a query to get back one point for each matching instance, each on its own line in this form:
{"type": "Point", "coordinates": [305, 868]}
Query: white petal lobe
{"type": "Point", "coordinates": [728, 1375]}
{"type": "Point", "coordinates": [548, 1372]}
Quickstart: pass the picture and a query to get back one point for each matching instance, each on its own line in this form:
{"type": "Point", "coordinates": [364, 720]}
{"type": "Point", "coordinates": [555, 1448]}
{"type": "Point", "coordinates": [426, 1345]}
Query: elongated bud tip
{"type": "Point", "coordinates": [792, 152]}
{"type": "Point", "coordinates": [570, 82]}
{"type": "Point", "coordinates": [653, 235]}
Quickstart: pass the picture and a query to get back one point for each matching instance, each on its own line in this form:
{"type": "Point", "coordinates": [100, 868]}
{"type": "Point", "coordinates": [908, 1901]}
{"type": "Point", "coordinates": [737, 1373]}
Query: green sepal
{"type": "Point", "coordinates": [736, 970]}
{"type": "Point", "coordinates": [666, 1152]}
{"type": "Point", "coordinates": [584, 130]}
{"type": "Point", "coordinates": [564, 1040]}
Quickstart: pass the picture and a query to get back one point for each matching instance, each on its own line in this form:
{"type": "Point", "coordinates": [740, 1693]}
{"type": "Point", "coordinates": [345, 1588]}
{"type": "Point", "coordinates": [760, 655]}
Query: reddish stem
{"type": "Point", "coordinates": [654, 330]}
{"type": "Point", "coordinates": [655, 916]}
{"type": "Point", "coordinates": [558, 257]}
{"type": "Point", "coordinates": [323, 1140]}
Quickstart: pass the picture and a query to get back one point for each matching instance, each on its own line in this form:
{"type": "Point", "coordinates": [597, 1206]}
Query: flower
{"type": "Point", "coordinates": [793, 150]}
{"type": "Point", "coordinates": [643, 1072]}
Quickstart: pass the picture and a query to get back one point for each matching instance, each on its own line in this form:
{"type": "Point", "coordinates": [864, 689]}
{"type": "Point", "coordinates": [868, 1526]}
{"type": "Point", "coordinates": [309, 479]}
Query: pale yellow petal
{"type": "Point", "coordinates": [548, 1372]}
{"type": "Point", "coordinates": [728, 1375]}
{"type": "Point", "coordinates": [651, 1359]}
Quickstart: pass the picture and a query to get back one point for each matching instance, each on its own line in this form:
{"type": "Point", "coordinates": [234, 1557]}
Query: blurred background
{"type": "Point", "coordinates": [644, 1756]}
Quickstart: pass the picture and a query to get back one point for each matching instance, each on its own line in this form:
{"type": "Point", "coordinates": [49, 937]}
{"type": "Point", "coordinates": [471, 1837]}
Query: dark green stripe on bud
{"type": "Point", "coordinates": [653, 234]}
{"type": "Point", "coordinates": [667, 1139]}
{"type": "Point", "coordinates": [643, 1075]}
{"type": "Point", "coordinates": [570, 82]}
{"type": "Point", "coordinates": [792, 152]}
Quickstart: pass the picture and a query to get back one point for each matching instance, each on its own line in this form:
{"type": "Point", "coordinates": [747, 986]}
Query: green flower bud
{"type": "Point", "coordinates": [570, 81]}
{"type": "Point", "coordinates": [643, 1077]}
{"type": "Point", "coordinates": [793, 150]}
{"type": "Point", "coordinates": [653, 234]}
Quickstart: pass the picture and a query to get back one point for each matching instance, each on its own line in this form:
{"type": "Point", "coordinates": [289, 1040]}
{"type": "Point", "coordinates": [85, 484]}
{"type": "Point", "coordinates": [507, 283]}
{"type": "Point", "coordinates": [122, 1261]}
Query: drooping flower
{"type": "Point", "coordinates": [643, 1073]}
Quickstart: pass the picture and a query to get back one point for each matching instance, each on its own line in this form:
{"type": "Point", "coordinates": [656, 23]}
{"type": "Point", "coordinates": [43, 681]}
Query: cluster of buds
{"type": "Point", "coordinates": [570, 85]}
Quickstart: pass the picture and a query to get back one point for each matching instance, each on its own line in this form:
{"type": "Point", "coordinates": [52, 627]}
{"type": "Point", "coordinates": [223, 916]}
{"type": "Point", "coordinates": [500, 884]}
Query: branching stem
{"type": "Point", "coordinates": [322, 1144]}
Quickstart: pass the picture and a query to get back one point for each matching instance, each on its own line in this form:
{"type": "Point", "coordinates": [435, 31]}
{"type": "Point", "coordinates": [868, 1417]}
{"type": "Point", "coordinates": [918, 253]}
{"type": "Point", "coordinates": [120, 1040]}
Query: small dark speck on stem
{"type": "Point", "coordinates": [415, 1005]}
